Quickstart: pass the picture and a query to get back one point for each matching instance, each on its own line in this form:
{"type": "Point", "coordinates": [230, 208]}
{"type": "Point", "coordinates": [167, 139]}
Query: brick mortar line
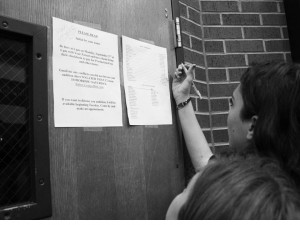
{"type": "Point", "coordinates": [199, 25]}
{"type": "Point", "coordinates": [261, 22]}
{"type": "Point", "coordinates": [202, 113]}
{"type": "Point", "coordinates": [231, 67]}
{"type": "Point", "coordinates": [205, 129]}
{"type": "Point", "coordinates": [201, 82]}
{"type": "Point", "coordinates": [248, 39]}
{"type": "Point", "coordinates": [217, 113]}
{"type": "Point", "coordinates": [192, 36]}
{"type": "Point", "coordinates": [285, 57]}
{"type": "Point", "coordinates": [222, 97]}
{"type": "Point", "coordinates": [261, 53]}
{"type": "Point", "coordinates": [281, 33]}
{"type": "Point", "coordinates": [221, 20]}
{"type": "Point", "coordinates": [188, 6]}
{"type": "Point", "coordinates": [224, 47]}
{"type": "Point", "coordinates": [222, 144]}
{"type": "Point", "coordinates": [190, 41]}
{"type": "Point", "coordinates": [220, 128]}
{"type": "Point", "coordinates": [197, 97]}
{"type": "Point", "coordinates": [187, 12]}
{"type": "Point", "coordinates": [245, 13]}
{"type": "Point", "coordinates": [222, 67]}
{"type": "Point", "coordinates": [247, 60]}
{"type": "Point", "coordinates": [239, 4]}
{"type": "Point", "coordinates": [264, 46]}
{"type": "Point", "coordinates": [200, 67]}
{"type": "Point", "coordinates": [241, 0]}
{"type": "Point", "coordinates": [246, 26]}
{"type": "Point", "coordinates": [245, 53]}
{"type": "Point", "coordinates": [220, 113]}
{"type": "Point", "coordinates": [233, 82]}
{"type": "Point", "coordinates": [278, 6]}
{"type": "Point", "coordinates": [192, 50]}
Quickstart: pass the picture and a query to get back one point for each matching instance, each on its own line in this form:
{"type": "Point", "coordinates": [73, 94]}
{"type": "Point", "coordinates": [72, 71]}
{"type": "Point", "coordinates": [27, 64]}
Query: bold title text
{"type": "Point", "coordinates": [87, 34]}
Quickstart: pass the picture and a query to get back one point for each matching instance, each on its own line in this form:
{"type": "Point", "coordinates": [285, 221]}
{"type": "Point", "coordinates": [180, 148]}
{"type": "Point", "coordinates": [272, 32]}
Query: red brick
{"type": "Point", "coordinates": [214, 46]}
{"type": "Point", "coordinates": [200, 74]}
{"type": "Point", "coordinates": [285, 32]}
{"type": "Point", "coordinates": [222, 32]}
{"type": "Point", "coordinates": [219, 6]}
{"type": "Point", "coordinates": [276, 19]}
{"type": "Point", "coordinates": [207, 135]}
{"type": "Point", "coordinates": [220, 136]}
{"type": "Point", "coordinates": [193, 57]}
{"type": "Point", "coordinates": [197, 44]}
{"type": "Point", "coordinates": [244, 46]}
{"type": "Point", "coordinates": [240, 19]}
{"type": "Point", "coordinates": [262, 32]}
{"type": "Point", "coordinates": [194, 103]}
{"type": "Point", "coordinates": [192, 3]}
{"type": "Point", "coordinates": [226, 60]}
{"type": "Point", "coordinates": [259, 6]}
{"type": "Point", "coordinates": [277, 46]}
{"type": "Point", "coordinates": [222, 150]}
{"type": "Point", "coordinates": [194, 15]}
{"type": "Point", "coordinates": [201, 87]}
{"type": "Point", "coordinates": [256, 58]}
{"type": "Point", "coordinates": [281, 7]}
{"type": "Point", "coordinates": [202, 105]}
{"type": "Point", "coordinates": [203, 120]}
{"type": "Point", "coordinates": [190, 28]}
{"type": "Point", "coordinates": [235, 74]}
{"type": "Point", "coordinates": [183, 10]}
{"type": "Point", "coordinates": [219, 105]}
{"type": "Point", "coordinates": [288, 57]}
{"type": "Point", "coordinates": [211, 19]}
{"type": "Point", "coordinates": [217, 75]}
{"type": "Point", "coordinates": [222, 90]}
{"type": "Point", "coordinates": [219, 120]}
{"type": "Point", "coordinates": [185, 40]}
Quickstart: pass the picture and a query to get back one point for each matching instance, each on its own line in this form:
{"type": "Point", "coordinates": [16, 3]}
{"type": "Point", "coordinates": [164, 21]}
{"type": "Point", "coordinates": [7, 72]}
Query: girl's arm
{"type": "Point", "coordinates": [195, 140]}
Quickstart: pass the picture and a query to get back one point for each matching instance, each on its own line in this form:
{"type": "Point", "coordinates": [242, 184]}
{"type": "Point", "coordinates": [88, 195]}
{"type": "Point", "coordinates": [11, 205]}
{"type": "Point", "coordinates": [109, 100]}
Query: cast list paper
{"type": "Point", "coordinates": [86, 81]}
{"type": "Point", "coordinates": [146, 83]}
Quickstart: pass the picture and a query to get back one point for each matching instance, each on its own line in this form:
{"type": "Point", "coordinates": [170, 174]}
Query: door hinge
{"type": "Point", "coordinates": [178, 33]}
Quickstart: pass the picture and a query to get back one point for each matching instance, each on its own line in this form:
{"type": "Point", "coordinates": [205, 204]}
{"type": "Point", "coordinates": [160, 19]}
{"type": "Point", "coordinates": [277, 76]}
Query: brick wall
{"type": "Point", "coordinates": [222, 38]}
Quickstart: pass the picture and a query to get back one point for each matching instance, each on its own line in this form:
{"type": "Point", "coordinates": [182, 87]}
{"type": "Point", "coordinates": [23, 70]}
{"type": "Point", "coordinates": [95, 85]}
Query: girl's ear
{"type": "Point", "coordinates": [251, 127]}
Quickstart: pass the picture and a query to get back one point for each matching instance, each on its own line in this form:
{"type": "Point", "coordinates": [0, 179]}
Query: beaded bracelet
{"type": "Point", "coordinates": [182, 104]}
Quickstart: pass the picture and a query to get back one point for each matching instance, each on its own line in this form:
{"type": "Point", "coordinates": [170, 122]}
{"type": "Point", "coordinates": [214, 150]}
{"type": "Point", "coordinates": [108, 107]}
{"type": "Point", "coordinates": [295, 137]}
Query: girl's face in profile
{"type": "Point", "coordinates": [238, 130]}
{"type": "Point", "coordinates": [181, 199]}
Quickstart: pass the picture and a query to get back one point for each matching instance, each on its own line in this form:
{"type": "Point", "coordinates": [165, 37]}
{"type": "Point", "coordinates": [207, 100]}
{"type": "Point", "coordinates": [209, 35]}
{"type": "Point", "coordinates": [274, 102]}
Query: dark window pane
{"type": "Point", "coordinates": [15, 151]}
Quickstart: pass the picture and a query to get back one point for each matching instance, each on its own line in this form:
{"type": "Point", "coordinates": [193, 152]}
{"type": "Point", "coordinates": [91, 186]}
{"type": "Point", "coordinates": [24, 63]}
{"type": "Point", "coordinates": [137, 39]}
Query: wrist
{"type": "Point", "coordinates": [181, 99]}
{"type": "Point", "coordinates": [183, 103]}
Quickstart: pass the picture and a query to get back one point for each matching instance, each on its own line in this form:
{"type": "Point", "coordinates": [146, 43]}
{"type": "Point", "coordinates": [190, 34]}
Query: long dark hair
{"type": "Point", "coordinates": [272, 92]}
{"type": "Point", "coordinates": [256, 188]}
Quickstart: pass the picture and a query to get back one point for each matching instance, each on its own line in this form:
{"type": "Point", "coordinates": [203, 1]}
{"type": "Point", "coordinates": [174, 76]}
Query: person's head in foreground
{"type": "Point", "coordinates": [264, 115]}
{"type": "Point", "coordinates": [241, 189]}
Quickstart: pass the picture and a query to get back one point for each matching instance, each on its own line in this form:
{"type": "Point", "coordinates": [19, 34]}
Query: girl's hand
{"type": "Point", "coordinates": [182, 81]}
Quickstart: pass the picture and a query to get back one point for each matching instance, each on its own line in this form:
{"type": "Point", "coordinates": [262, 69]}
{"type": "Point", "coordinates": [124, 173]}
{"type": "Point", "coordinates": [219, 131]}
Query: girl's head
{"type": "Point", "coordinates": [266, 113]}
{"type": "Point", "coordinates": [242, 189]}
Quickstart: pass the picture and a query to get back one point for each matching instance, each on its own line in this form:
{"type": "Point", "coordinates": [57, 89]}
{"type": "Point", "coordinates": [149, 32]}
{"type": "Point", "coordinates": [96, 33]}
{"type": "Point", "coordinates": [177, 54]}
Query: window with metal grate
{"type": "Point", "coordinates": [23, 134]}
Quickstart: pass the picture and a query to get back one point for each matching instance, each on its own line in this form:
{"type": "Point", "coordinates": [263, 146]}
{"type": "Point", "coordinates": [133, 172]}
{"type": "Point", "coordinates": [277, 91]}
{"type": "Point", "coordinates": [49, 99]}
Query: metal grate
{"type": "Point", "coordinates": [15, 154]}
